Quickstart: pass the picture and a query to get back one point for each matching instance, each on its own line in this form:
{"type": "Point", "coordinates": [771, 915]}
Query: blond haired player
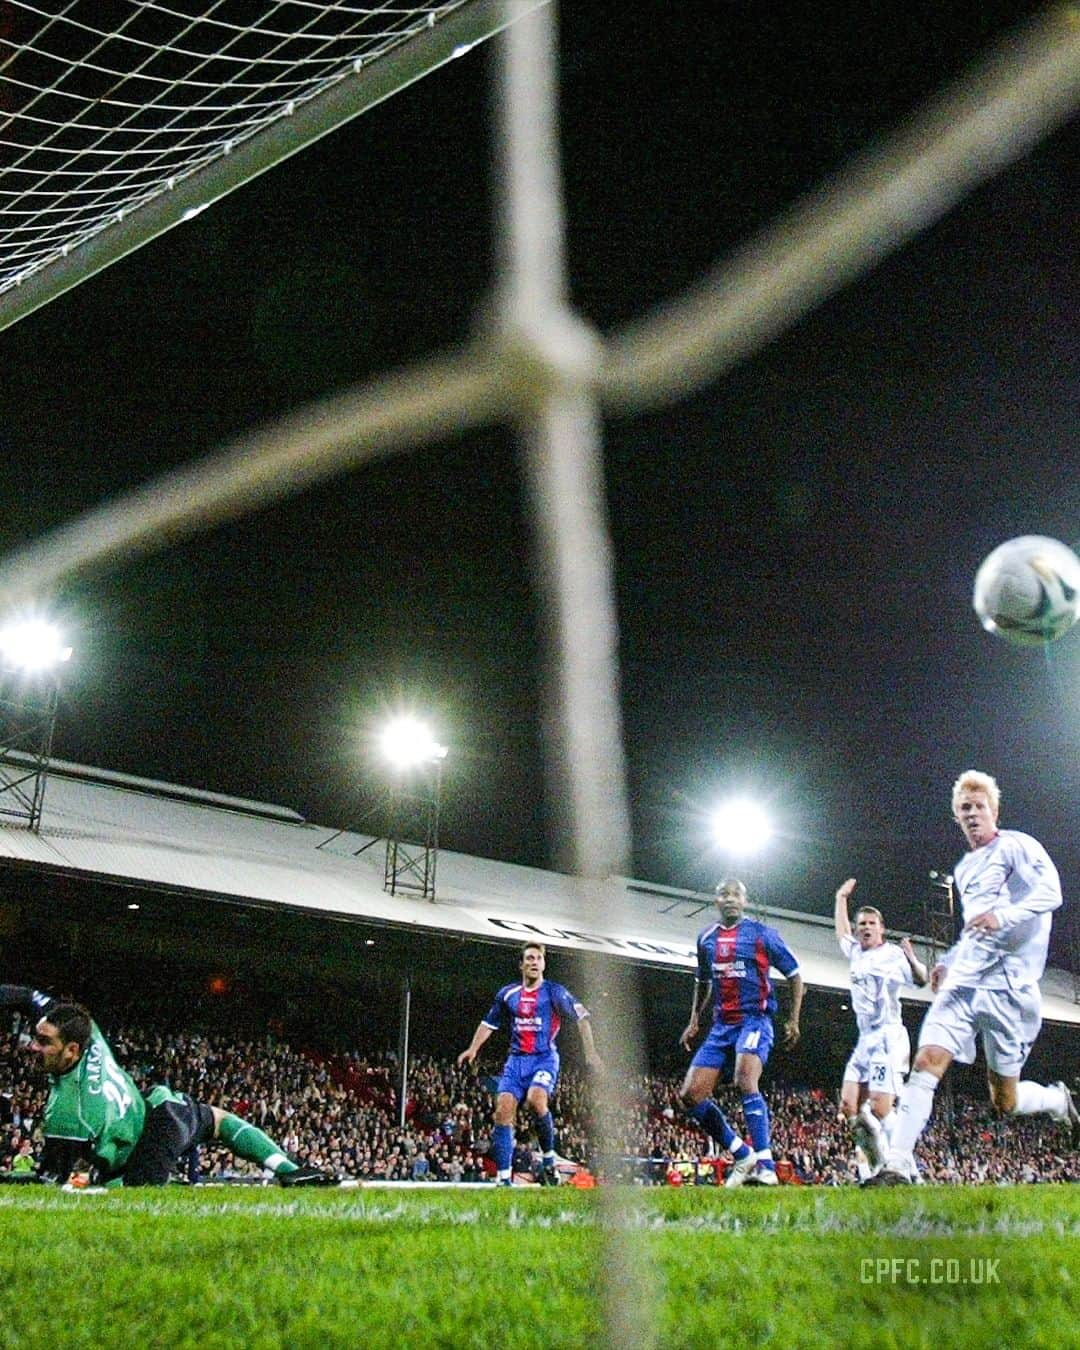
{"type": "Point", "coordinates": [987, 984]}
{"type": "Point", "coordinates": [875, 1072]}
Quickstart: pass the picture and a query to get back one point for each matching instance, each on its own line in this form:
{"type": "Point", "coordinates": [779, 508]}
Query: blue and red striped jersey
{"type": "Point", "coordinates": [533, 1016]}
{"type": "Point", "coordinates": [737, 961]}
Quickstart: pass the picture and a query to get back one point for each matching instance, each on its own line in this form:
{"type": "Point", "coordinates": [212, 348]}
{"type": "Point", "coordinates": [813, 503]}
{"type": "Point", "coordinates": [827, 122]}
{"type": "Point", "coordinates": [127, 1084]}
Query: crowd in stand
{"type": "Point", "coordinates": [340, 1112]}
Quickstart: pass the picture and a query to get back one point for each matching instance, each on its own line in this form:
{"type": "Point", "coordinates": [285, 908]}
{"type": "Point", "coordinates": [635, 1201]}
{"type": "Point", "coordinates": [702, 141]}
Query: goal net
{"type": "Point", "coordinates": [119, 120]}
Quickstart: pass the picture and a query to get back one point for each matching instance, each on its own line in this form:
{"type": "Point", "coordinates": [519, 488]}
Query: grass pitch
{"type": "Point", "coordinates": [920, 1267]}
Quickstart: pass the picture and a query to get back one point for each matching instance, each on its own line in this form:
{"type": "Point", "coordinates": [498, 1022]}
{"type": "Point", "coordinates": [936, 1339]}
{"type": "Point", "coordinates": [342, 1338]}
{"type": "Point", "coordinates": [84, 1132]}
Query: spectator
{"type": "Point", "coordinates": [24, 1161]}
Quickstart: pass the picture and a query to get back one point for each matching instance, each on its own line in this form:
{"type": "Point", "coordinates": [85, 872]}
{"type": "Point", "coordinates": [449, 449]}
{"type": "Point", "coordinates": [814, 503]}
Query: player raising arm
{"type": "Point", "coordinates": [875, 1071]}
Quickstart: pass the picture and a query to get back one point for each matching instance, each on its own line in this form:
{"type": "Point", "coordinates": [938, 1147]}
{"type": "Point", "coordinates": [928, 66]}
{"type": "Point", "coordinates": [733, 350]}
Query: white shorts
{"type": "Point", "coordinates": [1008, 1020]}
{"type": "Point", "coordinates": [880, 1059]}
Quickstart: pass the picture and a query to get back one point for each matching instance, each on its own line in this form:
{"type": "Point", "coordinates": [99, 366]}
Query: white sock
{"type": "Point", "coordinates": [863, 1168]}
{"type": "Point", "coordinates": [866, 1113]}
{"type": "Point", "coordinates": [868, 1141]}
{"type": "Point", "coordinates": [916, 1103]}
{"type": "Point", "coordinates": [1031, 1098]}
{"type": "Point", "coordinates": [888, 1124]}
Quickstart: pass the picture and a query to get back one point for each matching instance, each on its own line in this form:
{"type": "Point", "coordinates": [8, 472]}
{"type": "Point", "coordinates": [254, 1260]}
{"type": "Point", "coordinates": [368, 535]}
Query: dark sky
{"type": "Point", "coordinates": [795, 546]}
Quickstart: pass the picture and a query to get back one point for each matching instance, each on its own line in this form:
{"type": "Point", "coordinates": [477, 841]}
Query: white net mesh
{"type": "Point", "coordinates": [106, 105]}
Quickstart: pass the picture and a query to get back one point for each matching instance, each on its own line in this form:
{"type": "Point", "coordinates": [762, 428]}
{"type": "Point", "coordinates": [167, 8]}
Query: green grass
{"type": "Point", "coordinates": [262, 1268]}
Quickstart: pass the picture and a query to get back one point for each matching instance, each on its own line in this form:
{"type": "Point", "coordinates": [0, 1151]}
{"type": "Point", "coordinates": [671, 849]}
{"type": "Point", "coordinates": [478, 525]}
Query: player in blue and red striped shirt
{"type": "Point", "coordinates": [533, 1011]}
{"type": "Point", "coordinates": [734, 956]}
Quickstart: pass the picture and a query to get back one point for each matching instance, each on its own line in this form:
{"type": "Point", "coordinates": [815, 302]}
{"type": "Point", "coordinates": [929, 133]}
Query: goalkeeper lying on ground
{"type": "Point", "coordinates": [98, 1126]}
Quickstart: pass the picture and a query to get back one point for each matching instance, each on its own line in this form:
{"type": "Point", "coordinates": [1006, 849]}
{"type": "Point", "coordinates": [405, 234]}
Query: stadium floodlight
{"type": "Point", "coordinates": [32, 645]}
{"type": "Point", "coordinates": [407, 744]}
{"type": "Point", "coordinates": [741, 827]}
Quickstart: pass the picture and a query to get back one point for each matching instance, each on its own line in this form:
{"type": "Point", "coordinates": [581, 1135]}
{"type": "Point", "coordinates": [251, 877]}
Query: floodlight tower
{"type": "Point", "coordinates": [939, 917]}
{"type": "Point", "coordinates": [412, 832]}
{"type": "Point", "coordinates": [31, 655]}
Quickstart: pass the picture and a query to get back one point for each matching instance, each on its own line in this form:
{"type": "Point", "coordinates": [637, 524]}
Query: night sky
{"type": "Point", "coordinates": [795, 546]}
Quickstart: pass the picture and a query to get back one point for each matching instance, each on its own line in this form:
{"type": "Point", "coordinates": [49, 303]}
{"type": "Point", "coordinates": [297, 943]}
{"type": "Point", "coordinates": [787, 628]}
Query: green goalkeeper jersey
{"type": "Point", "coordinates": [94, 1110]}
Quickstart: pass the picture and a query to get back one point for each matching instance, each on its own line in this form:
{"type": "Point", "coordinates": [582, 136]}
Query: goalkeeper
{"type": "Point", "coordinates": [97, 1125]}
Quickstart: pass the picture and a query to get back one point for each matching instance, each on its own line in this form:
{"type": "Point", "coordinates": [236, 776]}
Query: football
{"type": "Point", "coordinates": [1028, 590]}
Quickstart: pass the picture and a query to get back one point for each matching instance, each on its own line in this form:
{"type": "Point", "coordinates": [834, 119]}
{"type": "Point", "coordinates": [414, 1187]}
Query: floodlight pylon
{"type": "Point", "coordinates": [413, 805]}
{"type": "Point", "coordinates": [28, 708]}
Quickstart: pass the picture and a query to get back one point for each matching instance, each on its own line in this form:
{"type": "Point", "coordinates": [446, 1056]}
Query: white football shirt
{"type": "Point", "coordinates": [1013, 876]}
{"type": "Point", "coordinates": [877, 975]}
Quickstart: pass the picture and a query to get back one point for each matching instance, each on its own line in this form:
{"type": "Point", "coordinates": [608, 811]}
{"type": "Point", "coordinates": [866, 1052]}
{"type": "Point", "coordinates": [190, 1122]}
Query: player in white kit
{"type": "Point", "coordinates": [987, 984]}
{"type": "Point", "coordinates": [875, 1072]}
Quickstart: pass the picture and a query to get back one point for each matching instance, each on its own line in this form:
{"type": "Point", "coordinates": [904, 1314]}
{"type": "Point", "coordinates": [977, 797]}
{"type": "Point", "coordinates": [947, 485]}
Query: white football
{"type": "Point", "coordinates": [1028, 590]}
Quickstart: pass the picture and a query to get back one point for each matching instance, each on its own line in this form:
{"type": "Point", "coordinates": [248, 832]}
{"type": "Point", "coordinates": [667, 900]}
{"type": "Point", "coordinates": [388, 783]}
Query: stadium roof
{"type": "Point", "coordinates": [108, 827]}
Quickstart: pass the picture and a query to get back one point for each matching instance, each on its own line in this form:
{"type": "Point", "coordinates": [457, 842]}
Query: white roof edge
{"type": "Point", "coordinates": [69, 769]}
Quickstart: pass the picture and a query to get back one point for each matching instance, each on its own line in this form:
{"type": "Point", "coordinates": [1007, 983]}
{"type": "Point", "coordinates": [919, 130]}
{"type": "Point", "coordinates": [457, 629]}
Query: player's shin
{"type": "Point", "coordinates": [545, 1132]}
{"type": "Point", "coordinates": [712, 1120]}
{"type": "Point", "coordinates": [502, 1149]}
{"type": "Point", "coordinates": [757, 1125]}
{"type": "Point", "coordinates": [868, 1138]}
{"type": "Point", "coordinates": [249, 1142]}
{"type": "Point", "coordinates": [1033, 1099]}
{"type": "Point", "coordinates": [916, 1103]}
